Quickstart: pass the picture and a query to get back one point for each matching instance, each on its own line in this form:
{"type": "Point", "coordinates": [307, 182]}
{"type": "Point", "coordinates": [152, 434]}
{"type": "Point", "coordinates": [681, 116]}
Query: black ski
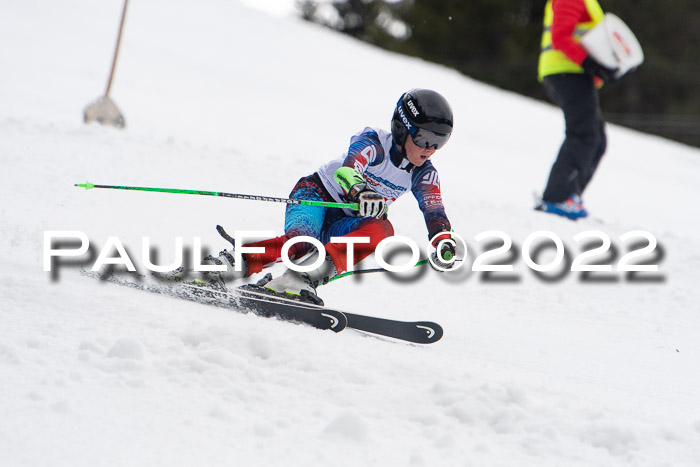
{"type": "Point", "coordinates": [419, 332]}
{"type": "Point", "coordinates": [269, 306]}
{"type": "Point", "coordinates": [257, 300]}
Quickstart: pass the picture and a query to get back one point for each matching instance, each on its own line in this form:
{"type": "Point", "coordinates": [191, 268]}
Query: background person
{"type": "Point", "coordinates": [571, 79]}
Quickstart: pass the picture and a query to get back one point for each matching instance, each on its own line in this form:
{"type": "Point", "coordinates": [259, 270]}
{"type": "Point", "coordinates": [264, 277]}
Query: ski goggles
{"type": "Point", "coordinates": [426, 139]}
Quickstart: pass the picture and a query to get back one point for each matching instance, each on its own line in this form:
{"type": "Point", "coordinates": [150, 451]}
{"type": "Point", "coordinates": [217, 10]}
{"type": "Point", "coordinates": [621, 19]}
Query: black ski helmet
{"type": "Point", "coordinates": [424, 115]}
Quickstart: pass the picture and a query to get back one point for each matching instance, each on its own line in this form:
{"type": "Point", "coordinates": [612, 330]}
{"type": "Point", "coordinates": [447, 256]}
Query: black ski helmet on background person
{"type": "Point", "coordinates": [424, 115]}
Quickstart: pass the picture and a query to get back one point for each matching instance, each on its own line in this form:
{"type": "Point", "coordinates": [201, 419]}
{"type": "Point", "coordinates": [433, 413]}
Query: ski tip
{"type": "Point", "coordinates": [86, 185]}
{"type": "Point", "coordinates": [433, 332]}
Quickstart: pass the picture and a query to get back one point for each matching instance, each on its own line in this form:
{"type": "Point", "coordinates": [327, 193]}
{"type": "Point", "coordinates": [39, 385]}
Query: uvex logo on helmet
{"type": "Point", "coordinates": [413, 108]}
{"type": "Point", "coordinates": [404, 119]}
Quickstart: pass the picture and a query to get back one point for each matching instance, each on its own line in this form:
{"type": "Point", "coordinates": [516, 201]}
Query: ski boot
{"type": "Point", "coordinates": [219, 279]}
{"type": "Point", "coordinates": [300, 285]}
{"type": "Point", "coordinates": [215, 279]}
{"type": "Point", "coordinates": [572, 208]}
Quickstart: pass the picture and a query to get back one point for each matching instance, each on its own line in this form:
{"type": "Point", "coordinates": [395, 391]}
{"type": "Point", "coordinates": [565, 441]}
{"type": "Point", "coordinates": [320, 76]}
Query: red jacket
{"type": "Point", "coordinates": [567, 14]}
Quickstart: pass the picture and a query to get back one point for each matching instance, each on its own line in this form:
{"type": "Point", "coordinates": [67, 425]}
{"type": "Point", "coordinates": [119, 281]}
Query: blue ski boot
{"type": "Point", "coordinates": [572, 208]}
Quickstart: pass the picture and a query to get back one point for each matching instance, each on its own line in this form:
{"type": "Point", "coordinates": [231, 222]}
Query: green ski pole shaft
{"type": "Point", "coordinates": [327, 204]}
{"type": "Point", "coordinates": [368, 271]}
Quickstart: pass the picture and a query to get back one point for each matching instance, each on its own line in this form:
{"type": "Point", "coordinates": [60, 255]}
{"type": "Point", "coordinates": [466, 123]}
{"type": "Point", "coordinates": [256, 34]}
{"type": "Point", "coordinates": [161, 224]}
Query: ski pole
{"type": "Point", "coordinates": [368, 271]}
{"type": "Point", "coordinates": [327, 204]}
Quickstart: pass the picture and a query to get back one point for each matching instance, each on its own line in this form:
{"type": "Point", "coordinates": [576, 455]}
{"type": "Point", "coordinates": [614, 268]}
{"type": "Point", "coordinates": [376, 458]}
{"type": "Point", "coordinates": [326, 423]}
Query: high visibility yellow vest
{"type": "Point", "coordinates": [554, 61]}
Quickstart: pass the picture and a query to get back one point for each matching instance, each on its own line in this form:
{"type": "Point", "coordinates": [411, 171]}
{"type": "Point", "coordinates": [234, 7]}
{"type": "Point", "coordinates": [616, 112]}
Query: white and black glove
{"type": "Point", "coordinates": [371, 204]}
{"type": "Point", "coordinates": [443, 255]}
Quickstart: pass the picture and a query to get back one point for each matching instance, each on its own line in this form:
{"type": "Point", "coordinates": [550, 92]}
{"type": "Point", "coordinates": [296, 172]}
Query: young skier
{"type": "Point", "coordinates": [377, 169]}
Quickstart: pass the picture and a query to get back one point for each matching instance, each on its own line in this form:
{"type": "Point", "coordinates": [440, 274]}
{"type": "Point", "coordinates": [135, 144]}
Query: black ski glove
{"type": "Point", "coordinates": [593, 68]}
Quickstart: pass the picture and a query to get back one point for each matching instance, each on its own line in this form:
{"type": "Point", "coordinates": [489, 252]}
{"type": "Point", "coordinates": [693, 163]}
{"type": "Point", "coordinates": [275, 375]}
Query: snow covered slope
{"type": "Point", "coordinates": [217, 96]}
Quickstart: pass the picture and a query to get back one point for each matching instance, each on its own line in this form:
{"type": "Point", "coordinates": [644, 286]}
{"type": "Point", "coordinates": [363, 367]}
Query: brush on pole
{"type": "Point", "coordinates": [104, 110]}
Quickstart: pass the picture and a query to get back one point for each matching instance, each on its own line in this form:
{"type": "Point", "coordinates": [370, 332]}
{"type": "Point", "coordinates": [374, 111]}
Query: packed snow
{"type": "Point", "coordinates": [534, 369]}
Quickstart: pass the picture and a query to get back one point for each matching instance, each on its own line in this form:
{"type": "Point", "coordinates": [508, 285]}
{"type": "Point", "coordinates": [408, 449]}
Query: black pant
{"type": "Point", "coordinates": [585, 140]}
